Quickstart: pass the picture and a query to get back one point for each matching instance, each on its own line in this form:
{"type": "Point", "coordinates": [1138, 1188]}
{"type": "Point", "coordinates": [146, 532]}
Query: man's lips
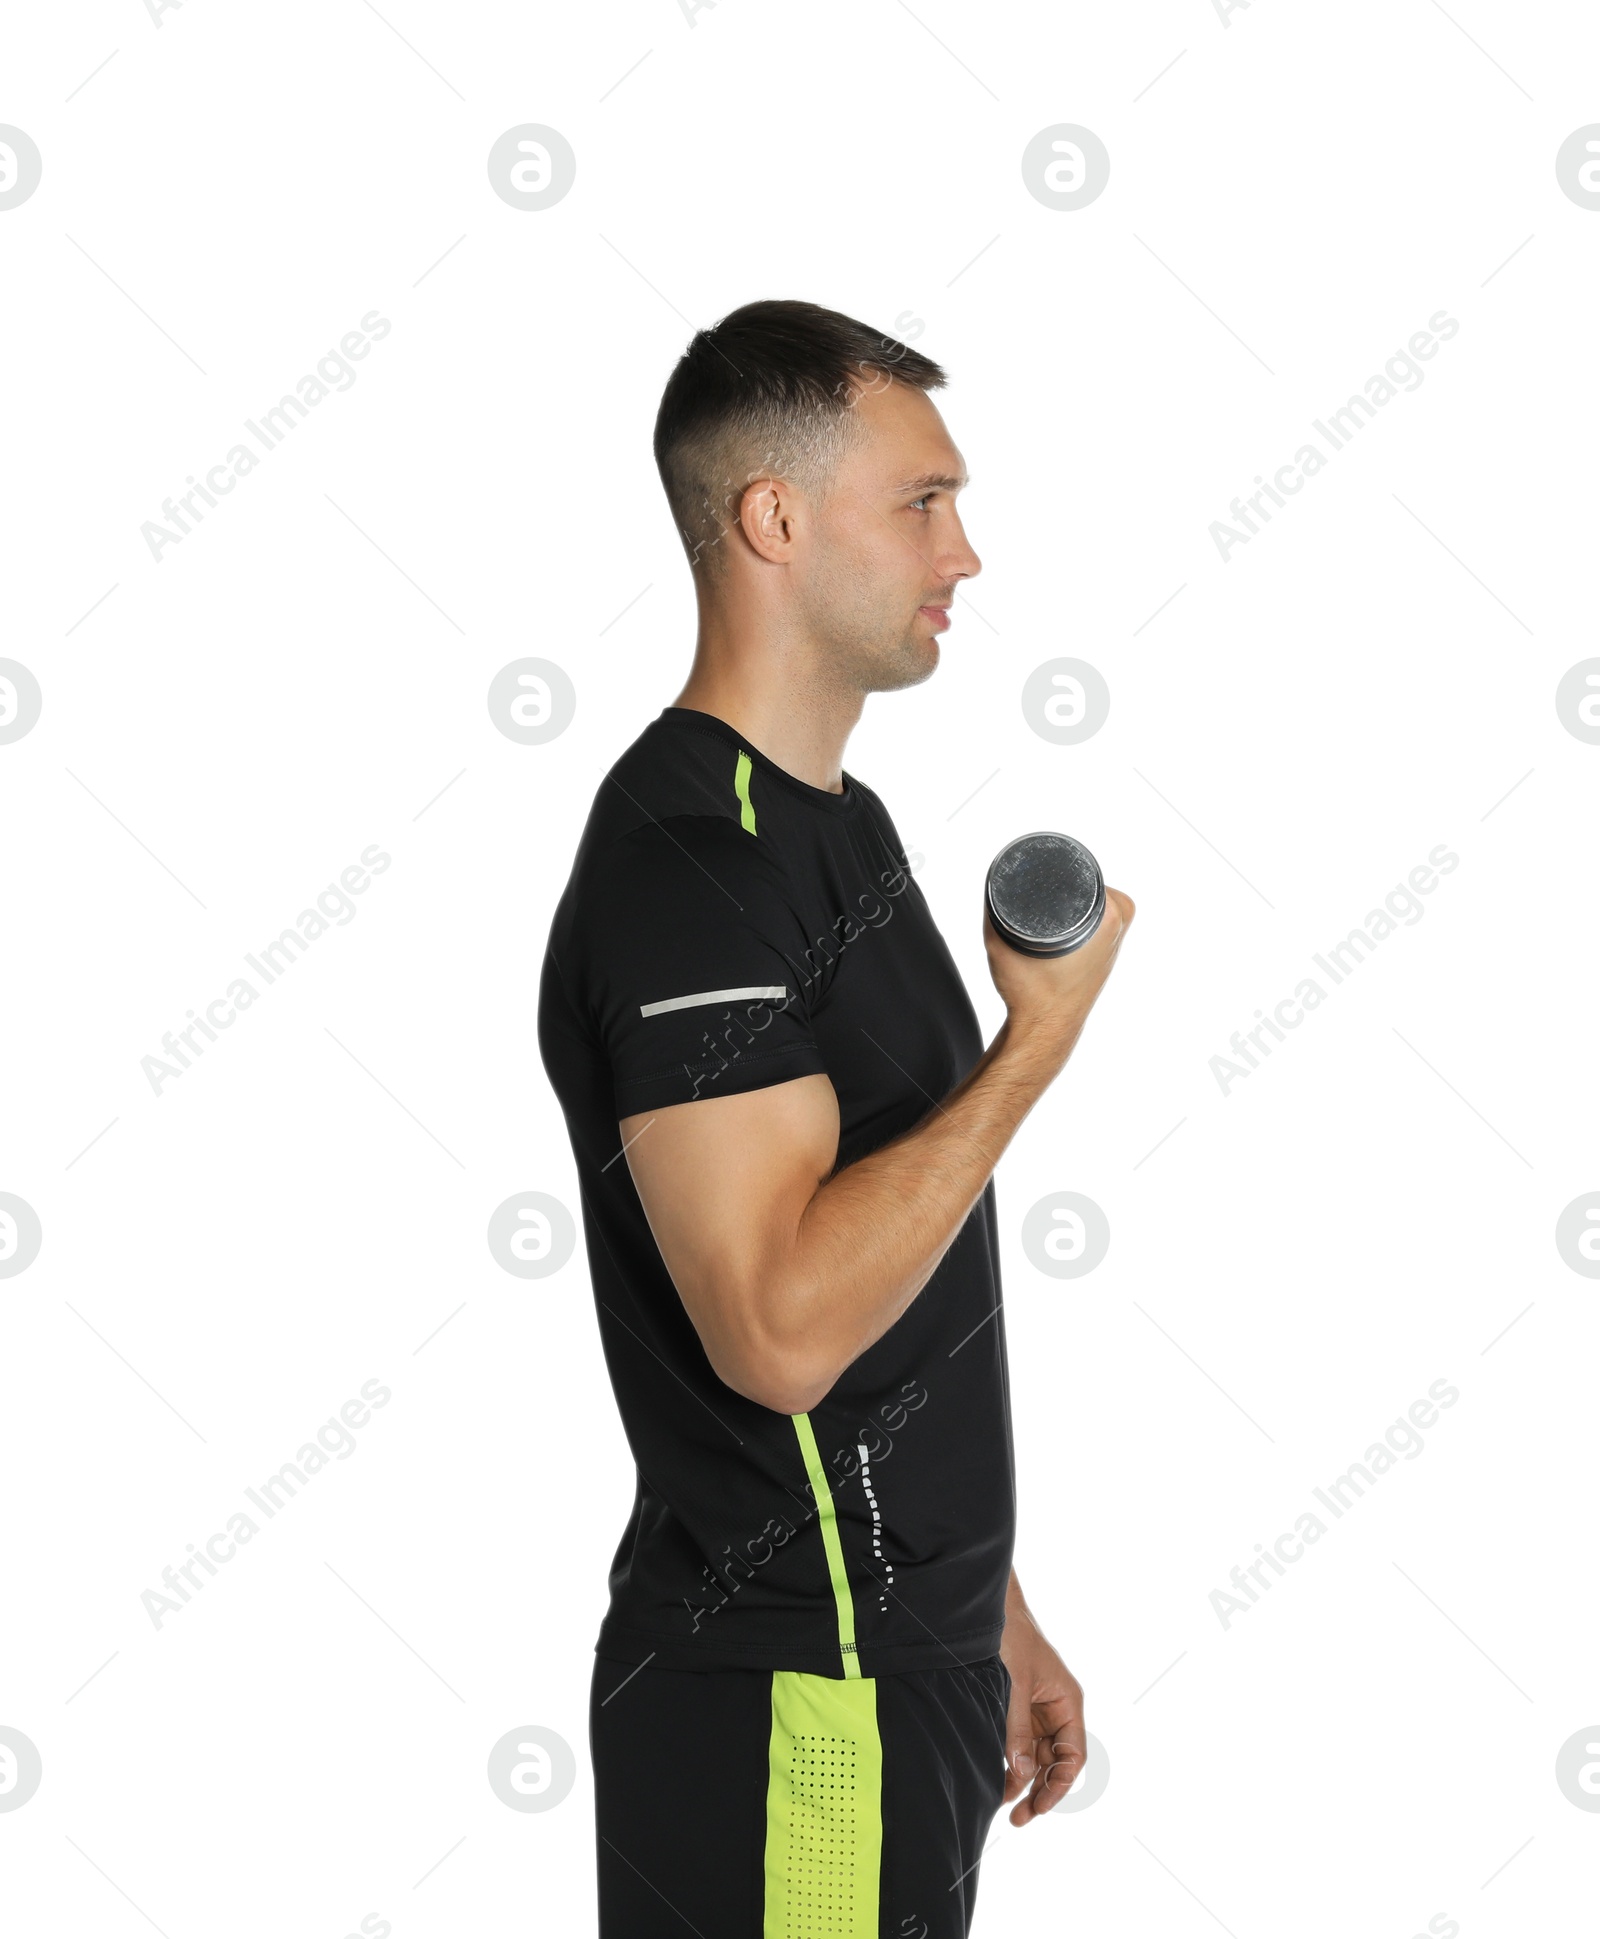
{"type": "Point", "coordinates": [937, 616]}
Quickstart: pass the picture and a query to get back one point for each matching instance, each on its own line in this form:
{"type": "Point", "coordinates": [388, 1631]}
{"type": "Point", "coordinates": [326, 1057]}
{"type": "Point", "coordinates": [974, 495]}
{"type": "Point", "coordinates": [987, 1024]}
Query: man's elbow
{"type": "Point", "coordinates": [782, 1396]}
{"type": "Point", "coordinates": [774, 1374]}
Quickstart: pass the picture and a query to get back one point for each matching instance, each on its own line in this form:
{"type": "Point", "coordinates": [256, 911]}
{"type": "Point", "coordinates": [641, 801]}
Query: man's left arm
{"type": "Point", "coordinates": [1045, 1747]}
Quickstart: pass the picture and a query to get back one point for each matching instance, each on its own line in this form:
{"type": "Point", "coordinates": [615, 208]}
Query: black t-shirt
{"type": "Point", "coordinates": [727, 926]}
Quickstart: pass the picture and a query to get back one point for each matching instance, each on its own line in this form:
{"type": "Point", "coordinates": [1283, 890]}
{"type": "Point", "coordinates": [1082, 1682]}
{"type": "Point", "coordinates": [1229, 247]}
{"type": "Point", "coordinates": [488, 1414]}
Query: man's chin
{"type": "Point", "coordinates": [917, 661]}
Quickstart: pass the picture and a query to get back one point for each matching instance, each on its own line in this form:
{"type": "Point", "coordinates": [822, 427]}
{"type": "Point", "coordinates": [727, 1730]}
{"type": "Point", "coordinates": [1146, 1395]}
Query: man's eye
{"type": "Point", "coordinates": [921, 504]}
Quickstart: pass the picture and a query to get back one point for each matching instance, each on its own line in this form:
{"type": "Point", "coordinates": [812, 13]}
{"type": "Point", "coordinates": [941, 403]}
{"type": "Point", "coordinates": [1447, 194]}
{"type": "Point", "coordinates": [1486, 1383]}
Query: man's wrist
{"type": "Point", "coordinates": [1037, 1045]}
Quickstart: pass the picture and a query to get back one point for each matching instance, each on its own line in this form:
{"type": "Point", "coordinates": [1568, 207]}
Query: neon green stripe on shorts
{"type": "Point", "coordinates": [824, 1848]}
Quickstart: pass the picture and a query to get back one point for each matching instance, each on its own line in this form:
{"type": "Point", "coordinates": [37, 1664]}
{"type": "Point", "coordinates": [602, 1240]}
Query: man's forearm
{"type": "Point", "coordinates": [873, 1234]}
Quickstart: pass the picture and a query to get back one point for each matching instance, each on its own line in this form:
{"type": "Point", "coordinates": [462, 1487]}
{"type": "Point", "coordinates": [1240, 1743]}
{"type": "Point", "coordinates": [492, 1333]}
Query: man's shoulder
{"type": "Point", "coordinates": [670, 771]}
{"type": "Point", "coordinates": [666, 842]}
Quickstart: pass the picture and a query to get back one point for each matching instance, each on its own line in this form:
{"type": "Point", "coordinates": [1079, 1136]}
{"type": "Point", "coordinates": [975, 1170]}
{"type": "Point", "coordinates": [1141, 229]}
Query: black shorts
{"type": "Point", "coordinates": [771, 1804]}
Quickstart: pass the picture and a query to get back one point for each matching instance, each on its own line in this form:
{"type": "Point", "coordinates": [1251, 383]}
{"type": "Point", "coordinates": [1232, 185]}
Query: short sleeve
{"type": "Point", "coordinates": [695, 966]}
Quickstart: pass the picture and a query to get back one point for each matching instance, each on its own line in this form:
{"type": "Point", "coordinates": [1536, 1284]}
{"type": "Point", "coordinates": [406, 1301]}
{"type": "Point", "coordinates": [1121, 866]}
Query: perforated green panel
{"type": "Point", "coordinates": [824, 1808]}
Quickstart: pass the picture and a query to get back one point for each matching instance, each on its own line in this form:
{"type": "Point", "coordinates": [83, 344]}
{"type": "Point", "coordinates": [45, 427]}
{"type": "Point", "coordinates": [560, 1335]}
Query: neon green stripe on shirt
{"type": "Point", "coordinates": [741, 787]}
{"type": "Point", "coordinates": [823, 1496]}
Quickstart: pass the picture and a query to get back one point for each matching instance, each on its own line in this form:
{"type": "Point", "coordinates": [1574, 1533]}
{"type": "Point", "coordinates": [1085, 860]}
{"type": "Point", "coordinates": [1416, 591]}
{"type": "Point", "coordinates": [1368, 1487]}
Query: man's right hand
{"type": "Point", "coordinates": [1050, 997]}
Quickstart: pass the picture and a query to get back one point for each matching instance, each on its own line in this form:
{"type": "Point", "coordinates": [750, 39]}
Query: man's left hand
{"type": "Point", "coordinates": [1045, 1746]}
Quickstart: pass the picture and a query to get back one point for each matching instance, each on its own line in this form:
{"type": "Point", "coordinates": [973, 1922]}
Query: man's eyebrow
{"type": "Point", "coordinates": [933, 481]}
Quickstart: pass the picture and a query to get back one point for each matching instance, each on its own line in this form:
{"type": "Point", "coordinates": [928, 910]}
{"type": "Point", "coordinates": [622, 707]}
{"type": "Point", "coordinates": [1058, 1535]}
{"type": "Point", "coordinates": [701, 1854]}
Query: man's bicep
{"type": "Point", "coordinates": [724, 1182]}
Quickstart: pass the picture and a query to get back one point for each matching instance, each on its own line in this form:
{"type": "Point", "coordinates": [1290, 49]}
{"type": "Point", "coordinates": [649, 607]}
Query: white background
{"type": "Point", "coordinates": [306, 673]}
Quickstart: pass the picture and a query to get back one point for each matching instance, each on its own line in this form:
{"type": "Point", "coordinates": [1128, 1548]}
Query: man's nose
{"type": "Point", "coordinates": [961, 562]}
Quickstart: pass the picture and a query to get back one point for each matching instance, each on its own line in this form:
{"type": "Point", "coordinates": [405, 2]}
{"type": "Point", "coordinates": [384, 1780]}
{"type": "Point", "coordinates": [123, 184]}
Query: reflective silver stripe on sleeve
{"type": "Point", "coordinates": [710, 996]}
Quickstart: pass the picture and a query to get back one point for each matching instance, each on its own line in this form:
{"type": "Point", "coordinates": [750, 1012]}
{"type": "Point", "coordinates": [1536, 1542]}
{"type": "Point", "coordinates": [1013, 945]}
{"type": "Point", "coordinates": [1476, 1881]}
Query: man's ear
{"type": "Point", "coordinates": [770, 516]}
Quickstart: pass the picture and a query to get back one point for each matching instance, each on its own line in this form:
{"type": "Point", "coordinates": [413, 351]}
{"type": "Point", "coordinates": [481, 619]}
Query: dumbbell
{"type": "Point", "coordinates": [1046, 894]}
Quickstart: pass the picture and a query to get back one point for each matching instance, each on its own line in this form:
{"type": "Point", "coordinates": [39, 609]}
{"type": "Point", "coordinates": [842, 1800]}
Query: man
{"type": "Point", "coordinates": [817, 1679]}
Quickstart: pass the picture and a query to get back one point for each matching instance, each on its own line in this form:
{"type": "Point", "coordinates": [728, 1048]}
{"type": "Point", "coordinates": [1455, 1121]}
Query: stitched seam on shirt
{"type": "Point", "coordinates": [772, 852]}
{"type": "Point", "coordinates": [660, 821]}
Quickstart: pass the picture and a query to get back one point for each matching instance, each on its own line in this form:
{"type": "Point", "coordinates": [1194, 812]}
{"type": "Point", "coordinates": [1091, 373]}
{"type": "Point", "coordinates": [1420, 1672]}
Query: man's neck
{"type": "Point", "coordinates": [771, 694]}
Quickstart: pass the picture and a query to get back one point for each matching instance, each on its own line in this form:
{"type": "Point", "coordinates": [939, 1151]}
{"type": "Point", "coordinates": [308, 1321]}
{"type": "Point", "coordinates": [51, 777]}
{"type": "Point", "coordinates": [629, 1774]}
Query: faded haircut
{"type": "Point", "coordinates": [769, 390]}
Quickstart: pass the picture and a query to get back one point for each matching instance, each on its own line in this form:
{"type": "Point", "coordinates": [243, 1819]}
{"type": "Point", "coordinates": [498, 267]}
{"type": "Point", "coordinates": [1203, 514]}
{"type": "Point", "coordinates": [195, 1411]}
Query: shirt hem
{"type": "Point", "coordinates": [638, 1647]}
{"type": "Point", "coordinates": [751, 1072]}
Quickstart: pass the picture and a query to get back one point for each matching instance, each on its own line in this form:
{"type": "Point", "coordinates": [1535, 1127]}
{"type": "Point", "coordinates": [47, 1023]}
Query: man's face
{"type": "Point", "coordinates": [886, 548]}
